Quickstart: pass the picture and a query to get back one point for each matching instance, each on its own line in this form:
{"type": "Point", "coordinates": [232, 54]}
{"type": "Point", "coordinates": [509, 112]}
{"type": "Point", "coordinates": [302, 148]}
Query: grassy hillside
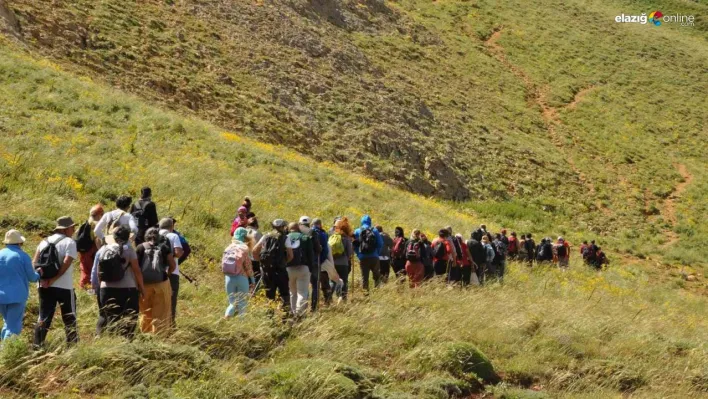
{"type": "Point", "coordinates": [539, 114]}
{"type": "Point", "coordinates": [69, 142]}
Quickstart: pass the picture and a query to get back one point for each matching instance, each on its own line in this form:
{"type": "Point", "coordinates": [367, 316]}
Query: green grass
{"type": "Point", "coordinates": [636, 329]}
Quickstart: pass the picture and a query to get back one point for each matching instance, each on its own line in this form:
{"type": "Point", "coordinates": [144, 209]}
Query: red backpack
{"type": "Point", "coordinates": [399, 248]}
{"type": "Point", "coordinates": [513, 245]}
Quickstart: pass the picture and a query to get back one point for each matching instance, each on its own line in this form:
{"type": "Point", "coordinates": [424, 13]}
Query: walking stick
{"type": "Point", "coordinates": [258, 284]}
{"type": "Point", "coordinates": [190, 279]}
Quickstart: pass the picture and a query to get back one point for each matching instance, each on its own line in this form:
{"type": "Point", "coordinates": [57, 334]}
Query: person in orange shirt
{"type": "Point", "coordinates": [441, 252]}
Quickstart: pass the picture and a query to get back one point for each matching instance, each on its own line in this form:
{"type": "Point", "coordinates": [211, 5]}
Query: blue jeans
{"type": "Point", "coordinates": [12, 315]}
{"type": "Point", "coordinates": [237, 290]}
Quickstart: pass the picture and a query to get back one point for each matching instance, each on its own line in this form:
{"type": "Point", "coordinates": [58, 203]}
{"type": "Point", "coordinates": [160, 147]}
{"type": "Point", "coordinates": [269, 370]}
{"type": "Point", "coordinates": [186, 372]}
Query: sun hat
{"type": "Point", "coordinates": [13, 237]}
{"type": "Point", "coordinates": [64, 222]}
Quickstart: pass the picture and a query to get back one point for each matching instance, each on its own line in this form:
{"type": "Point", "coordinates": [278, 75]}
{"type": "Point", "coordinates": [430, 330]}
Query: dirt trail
{"type": "Point", "coordinates": [538, 96]}
{"type": "Point", "coordinates": [669, 211]}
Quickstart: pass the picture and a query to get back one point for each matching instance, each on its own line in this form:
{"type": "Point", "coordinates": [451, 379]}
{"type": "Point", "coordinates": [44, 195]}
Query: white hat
{"type": "Point", "coordinates": [304, 220]}
{"type": "Point", "coordinates": [13, 237]}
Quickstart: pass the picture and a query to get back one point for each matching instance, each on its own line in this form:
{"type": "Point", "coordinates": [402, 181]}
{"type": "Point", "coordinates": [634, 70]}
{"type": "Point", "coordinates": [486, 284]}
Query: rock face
{"type": "Point", "coordinates": [8, 22]}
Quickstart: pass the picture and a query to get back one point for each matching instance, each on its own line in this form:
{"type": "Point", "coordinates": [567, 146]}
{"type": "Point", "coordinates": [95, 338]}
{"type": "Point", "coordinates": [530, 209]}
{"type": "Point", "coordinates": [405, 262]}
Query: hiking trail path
{"type": "Point", "coordinates": [669, 208]}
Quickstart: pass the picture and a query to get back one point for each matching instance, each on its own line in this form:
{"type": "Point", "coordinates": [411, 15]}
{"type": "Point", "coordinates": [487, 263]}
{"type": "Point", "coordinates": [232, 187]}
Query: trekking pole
{"type": "Point", "coordinates": [190, 279]}
{"type": "Point", "coordinates": [316, 288]}
{"type": "Point", "coordinates": [258, 284]}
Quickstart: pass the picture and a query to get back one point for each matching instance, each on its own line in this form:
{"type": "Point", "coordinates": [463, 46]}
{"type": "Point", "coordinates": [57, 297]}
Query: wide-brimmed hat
{"type": "Point", "coordinates": [13, 237]}
{"type": "Point", "coordinates": [64, 222]}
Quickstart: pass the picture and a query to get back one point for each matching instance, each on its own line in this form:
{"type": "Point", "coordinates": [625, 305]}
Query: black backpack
{"type": "Point", "coordinates": [530, 245]}
{"type": "Point", "coordinates": [458, 247]}
{"type": "Point", "coordinates": [83, 239]}
{"type": "Point", "coordinates": [413, 251]}
{"type": "Point", "coordinates": [138, 213]}
{"type": "Point", "coordinates": [499, 250]}
{"type": "Point", "coordinates": [49, 260]}
{"type": "Point", "coordinates": [561, 250]}
{"type": "Point", "coordinates": [154, 263]}
{"type": "Point", "coordinates": [367, 240]}
{"type": "Point", "coordinates": [439, 251]}
{"type": "Point", "coordinates": [273, 252]}
{"type": "Point", "coordinates": [110, 265]}
{"type": "Point", "coordinates": [297, 252]}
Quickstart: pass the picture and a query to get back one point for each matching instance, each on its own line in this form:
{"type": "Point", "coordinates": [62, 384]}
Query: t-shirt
{"type": "Point", "coordinates": [257, 235]}
{"type": "Point", "coordinates": [175, 243]}
{"type": "Point", "coordinates": [66, 246]}
{"type": "Point", "coordinates": [122, 217]}
{"type": "Point", "coordinates": [128, 280]}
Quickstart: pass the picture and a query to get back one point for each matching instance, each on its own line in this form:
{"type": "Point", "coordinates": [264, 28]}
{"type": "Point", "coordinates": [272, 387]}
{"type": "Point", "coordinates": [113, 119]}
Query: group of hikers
{"type": "Point", "coordinates": [130, 260]}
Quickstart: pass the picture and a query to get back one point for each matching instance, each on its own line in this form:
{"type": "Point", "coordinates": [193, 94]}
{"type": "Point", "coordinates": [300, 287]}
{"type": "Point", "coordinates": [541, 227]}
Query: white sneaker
{"type": "Point", "coordinates": [338, 287]}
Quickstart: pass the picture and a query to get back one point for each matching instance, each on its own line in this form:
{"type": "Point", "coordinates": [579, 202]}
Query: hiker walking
{"type": "Point", "coordinates": [299, 270]}
{"type": "Point", "coordinates": [86, 244]}
{"type": "Point", "coordinates": [442, 250]}
{"type": "Point", "coordinates": [274, 252]}
{"type": "Point", "coordinates": [167, 226]}
{"type": "Point", "coordinates": [256, 236]}
{"type": "Point", "coordinates": [304, 226]}
{"type": "Point", "coordinates": [238, 272]}
{"type": "Point", "coordinates": [385, 255]}
{"type": "Point", "coordinates": [478, 256]}
{"type": "Point", "coordinates": [561, 253]}
{"type": "Point", "coordinates": [455, 267]}
{"type": "Point", "coordinates": [342, 256]}
{"type": "Point", "coordinates": [156, 262]}
{"type": "Point", "coordinates": [500, 253]}
{"type": "Point", "coordinates": [398, 252]}
{"type": "Point", "coordinates": [327, 271]}
{"type": "Point", "coordinates": [414, 261]}
{"type": "Point", "coordinates": [530, 246]}
{"type": "Point", "coordinates": [367, 245]}
{"type": "Point", "coordinates": [115, 218]}
{"type": "Point", "coordinates": [121, 284]}
{"type": "Point", "coordinates": [465, 262]}
{"type": "Point", "coordinates": [16, 273]}
{"type": "Point", "coordinates": [241, 220]}
{"type": "Point", "coordinates": [55, 256]}
{"type": "Point", "coordinates": [513, 246]}
{"type": "Point", "coordinates": [426, 254]}
{"type": "Point", "coordinates": [489, 258]}
{"type": "Point", "coordinates": [522, 255]}
{"type": "Point", "coordinates": [544, 252]}
{"type": "Point", "coordinates": [145, 214]}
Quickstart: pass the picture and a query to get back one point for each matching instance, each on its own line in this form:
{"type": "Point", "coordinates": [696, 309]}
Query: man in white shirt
{"type": "Point", "coordinates": [167, 227]}
{"type": "Point", "coordinates": [115, 218]}
{"type": "Point", "coordinates": [60, 288]}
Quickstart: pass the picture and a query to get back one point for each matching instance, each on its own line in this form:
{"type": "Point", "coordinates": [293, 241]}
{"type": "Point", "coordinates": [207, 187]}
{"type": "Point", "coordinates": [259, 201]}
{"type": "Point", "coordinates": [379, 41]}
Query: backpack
{"type": "Point", "coordinates": [399, 248]}
{"type": "Point", "coordinates": [336, 244]}
{"type": "Point", "coordinates": [458, 247]}
{"type": "Point", "coordinates": [83, 239]}
{"type": "Point", "coordinates": [499, 250]}
{"type": "Point", "coordinates": [153, 266]}
{"type": "Point", "coordinates": [561, 251]}
{"type": "Point", "coordinates": [234, 257]}
{"type": "Point", "coordinates": [186, 249]}
{"type": "Point", "coordinates": [273, 252]}
{"type": "Point", "coordinates": [439, 251]}
{"type": "Point", "coordinates": [110, 265]}
{"type": "Point", "coordinates": [513, 245]}
{"type": "Point", "coordinates": [530, 246]}
{"type": "Point", "coordinates": [297, 250]}
{"type": "Point", "coordinates": [367, 240]}
{"type": "Point", "coordinates": [114, 223]}
{"type": "Point", "coordinates": [413, 251]}
{"type": "Point", "coordinates": [138, 213]}
{"type": "Point", "coordinates": [49, 260]}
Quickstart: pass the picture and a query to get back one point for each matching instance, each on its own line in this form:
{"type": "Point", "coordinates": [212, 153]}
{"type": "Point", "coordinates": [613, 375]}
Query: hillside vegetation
{"type": "Point", "coordinates": [69, 142]}
{"type": "Point", "coordinates": [541, 115]}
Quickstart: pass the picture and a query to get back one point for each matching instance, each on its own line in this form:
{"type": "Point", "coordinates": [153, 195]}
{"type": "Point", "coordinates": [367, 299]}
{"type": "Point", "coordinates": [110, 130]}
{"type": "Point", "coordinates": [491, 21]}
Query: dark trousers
{"type": "Point", "coordinates": [481, 272]}
{"type": "Point", "coordinates": [343, 271]}
{"type": "Point", "coordinates": [323, 288]}
{"type": "Point", "coordinates": [399, 267]}
{"type": "Point", "coordinates": [277, 280]}
{"type": "Point", "coordinates": [49, 298]}
{"type": "Point", "coordinates": [466, 275]}
{"type": "Point", "coordinates": [385, 268]}
{"type": "Point", "coordinates": [101, 323]}
{"type": "Point", "coordinates": [454, 275]}
{"type": "Point", "coordinates": [440, 267]}
{"type": "Point", "coordinates": [429, 270]}
{"type": "Point", "coordinates": [370, 265]}
{"type": "Point", "coordinates": [174, 284]}
{"type": "Point", "coordinates": [120, 308]}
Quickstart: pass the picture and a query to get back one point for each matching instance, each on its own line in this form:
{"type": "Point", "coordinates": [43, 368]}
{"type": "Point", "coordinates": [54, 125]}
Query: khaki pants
{"type": "Point", "coordinates": [156, 308]}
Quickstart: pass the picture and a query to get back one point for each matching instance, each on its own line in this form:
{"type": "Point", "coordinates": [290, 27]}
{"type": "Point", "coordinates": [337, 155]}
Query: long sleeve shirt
{"type": "Point", "coordinates": [16, 272]}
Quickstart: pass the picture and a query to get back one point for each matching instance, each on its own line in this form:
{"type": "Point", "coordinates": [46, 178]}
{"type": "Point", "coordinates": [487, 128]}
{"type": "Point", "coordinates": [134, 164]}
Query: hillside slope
{"type": "Point", "coordinates": [69, 142]}
{"type": "Point", "coordinates": [568, 118]}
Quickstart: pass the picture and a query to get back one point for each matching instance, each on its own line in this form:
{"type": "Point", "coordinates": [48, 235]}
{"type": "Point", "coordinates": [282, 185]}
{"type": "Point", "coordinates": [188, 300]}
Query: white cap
{"type": "Point", "coordinates": [304, 220]}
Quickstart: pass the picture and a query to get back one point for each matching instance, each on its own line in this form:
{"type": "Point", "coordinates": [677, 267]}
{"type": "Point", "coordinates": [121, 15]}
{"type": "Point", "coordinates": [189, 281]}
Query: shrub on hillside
{"type": "Point", "coordinates": [460, 359]}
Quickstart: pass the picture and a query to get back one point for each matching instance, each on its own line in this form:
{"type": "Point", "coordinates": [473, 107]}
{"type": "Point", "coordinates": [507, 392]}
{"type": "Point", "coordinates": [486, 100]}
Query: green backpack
{"type": "Point", "coordinates": [336, 244]}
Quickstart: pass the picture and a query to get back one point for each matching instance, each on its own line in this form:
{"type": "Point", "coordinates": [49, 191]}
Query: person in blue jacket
{"type": "Point", "coordinates": [367, 245]}
{"type": "Point", "coordinates": [16, 273]}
